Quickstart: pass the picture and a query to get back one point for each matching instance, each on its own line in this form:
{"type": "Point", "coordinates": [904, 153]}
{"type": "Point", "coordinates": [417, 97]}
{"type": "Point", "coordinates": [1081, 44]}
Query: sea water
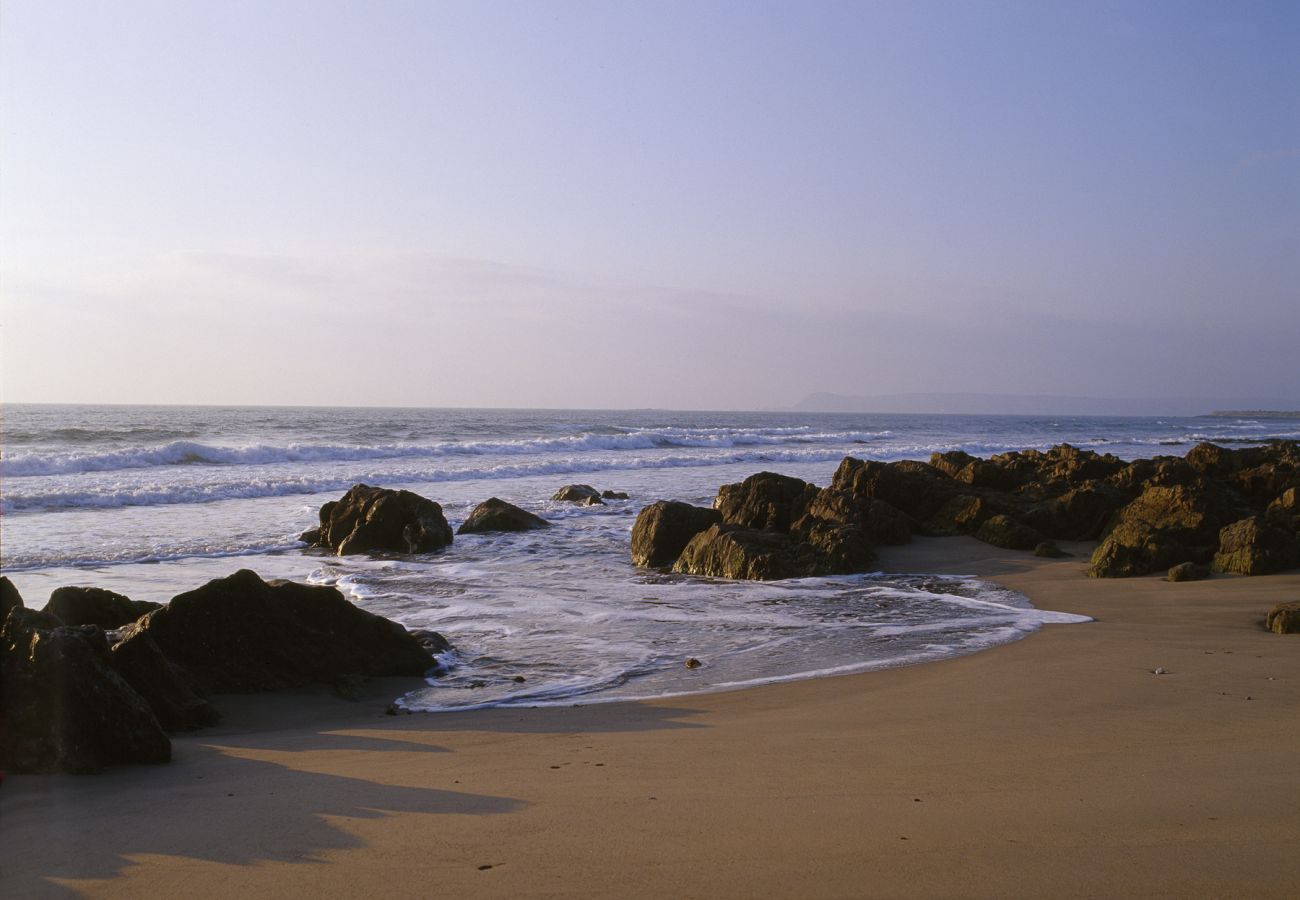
{"type": "Point", "coordinates": [152, 501]}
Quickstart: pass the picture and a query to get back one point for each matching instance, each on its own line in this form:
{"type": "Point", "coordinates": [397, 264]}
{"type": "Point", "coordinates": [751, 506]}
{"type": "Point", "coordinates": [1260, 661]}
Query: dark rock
{"type": "Point", "coordinates": [613, 495]}
{"type": "Point", "coordinates": [311, 537]}
{"type": "Point", "coordinates": [879, 522]}
{"type": "Point", "coordinates": [733, 551]}
{"type": "Point", "coordinates": [1007, 533]}
{"type": "Point", "coordinates": [1049, 550]}
{"type": "Point", "coordinates": [1080, 514]}
{"type": "Point", "coordinates": [951, 462]}
{"type": "Point", "coordinates": [1162, 527]}
{"type": "Point", "coordinates": [765, 501]}
{"type": "Point", "coordinates": [96, 606]}
{"type": "Point", "coordinates": [1284, 618]}
{"type": "Point", "coordinates": [432, 641]}
{"type": "Point", "coordinates": [917, 489]}
{"type": "Point", "coordinates": [584, 494]}
{"type": "Point", "coordinates": [170, 691]}
{"type": "Point", "coordinates": [494, 514]}
{"type": "Point", "coordinates": [1255, 546]}
{"type": "Point", "coordinates": [840, 549]}
{"type": "Point", "coordinates": [963, 514]}
{"type": "Point", "coordinates": [664, 528]}
{"type": "Point", "coordinates": [240, 634]}
{"type": "Point", "coordinates": [64, 707]}
{"type": "Point", "coordinates": [9, 597]}
{"type": "Point", "coordinates": [369, 519]}
{"type": "Point", "coordinates": [1188, 571]}
{"type": "Point", "coordinates": [1284, 511]}
{"type": "Point", "coordinates": [1159, 471]}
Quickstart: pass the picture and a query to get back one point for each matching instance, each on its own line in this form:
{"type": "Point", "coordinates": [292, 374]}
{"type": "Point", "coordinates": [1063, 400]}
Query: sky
{"type": "Point", "coordinates": [691, 205]}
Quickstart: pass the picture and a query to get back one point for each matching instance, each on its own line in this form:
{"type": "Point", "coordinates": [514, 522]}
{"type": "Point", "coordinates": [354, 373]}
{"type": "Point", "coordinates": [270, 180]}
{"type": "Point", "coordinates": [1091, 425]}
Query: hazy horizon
{"type": "Point", "coordinates": [628, 205]}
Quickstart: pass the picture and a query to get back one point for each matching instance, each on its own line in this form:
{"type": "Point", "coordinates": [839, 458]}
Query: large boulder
{"type": "Point", "coordinates": [1161, 527]}
{"type": "Point", "coordinates": [96, 606]}
{"type": "Point", "coordinates": [369, 519]}
{"type": "Point", "coordinates": [177, 700]}
{"type": "Point", "coordinates": [495, 514]}
{"type": "Point", "coordinates": [1255, 546]}
{"type": "Point", "coordinates": [1007, 533]}
{"type": "Point", "coordinates": [240, 634]}
{"type": "Point", "coordinates": [1080, 514]}
{"type": "Point", "coordinates": [583, 494]}
{"type": "Point", "coordinates": [733, 551]}
{"type": "Point", "coordinates": [917, 489]}
{"type": "Point", "coordinates": [962, 514]}
{"type": "Point", "coordinates": [9, 597]}
{"type": "Point", "coordinates": [1284, 618]}
{"type": "Point", "coordinates": [880, 522]}
{"type": "Point", "coordinates": [64, 707]}
{"type": "Point", "coordinates": [765, 501]}
{"type": "Point", "coordinates": [664, 528]}
{"type": "Point", "coordinates": [840, 549]}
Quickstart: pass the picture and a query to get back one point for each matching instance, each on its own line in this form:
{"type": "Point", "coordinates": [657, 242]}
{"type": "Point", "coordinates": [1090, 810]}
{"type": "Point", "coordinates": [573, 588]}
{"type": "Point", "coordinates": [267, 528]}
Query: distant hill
{"type": "Point", "coordinates": [1022, 404]}
{"type": "Point", "coordinates": [1255, 414]}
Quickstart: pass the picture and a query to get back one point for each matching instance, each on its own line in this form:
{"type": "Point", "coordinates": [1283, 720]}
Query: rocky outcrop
{"type": "Point", "coordinates": [495, 514]}
{"type": "Point", "coordinates": [583, 494]}
{"type": "Point", "coordinates": [64, 707]}
{"type": "Point", "coordinates": [664, 528]}
{"type": "Point", "coordinates": [1284, 618]}
{"type": "Point", "coordinates": [372, 519]}
{"type": "Point", "coordinates": [733, 551]}
{"type": "Point", "coordinates": [1161, 527]}
{"type": "Point", "coordinates": [765, 501]}
{"type": "Point", "coordinates": [96, 606]}
{"type": "Point", "coordinates": [173, 695]}
{"type": "Point", "coordinates": [1255, 546]}
{"type": "Point", "coordinates": [240, 634]}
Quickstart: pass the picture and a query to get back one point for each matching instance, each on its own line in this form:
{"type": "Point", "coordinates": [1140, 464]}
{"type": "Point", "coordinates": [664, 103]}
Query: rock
{"type": "Point", "coordinates": [1187, 571]}
{"type": "Point", "coordinates": [1162, 527]}
{"type": "Point", "coordinates": [1080, 514]}
{"type": "Point", "coordinates": [879, 522]}
{"type": "Point", "coordinates": [765, 501]}
{"type": "Point", "coordinates": [172, 693]}
{"type": "Point", "coordinates": [613, 495]}
{"type": "Point", "coordinates": [240, 634]}
{"type": "Point", "coordinates": [1255, 546]}
{"type": "Point", "coordinates": [311, 537]}
{"type": "Point", "coordinates": [693, 663]}
{"type": "Point", "coordinates": [584, 494]}
{"type": "Point", "coordinates": [96, 606]}
{"type": "Point", "coordinates": [9, 598]}
{"type": "Point", "coordinates": [1284, 511]}
{"type": "Point", "coordinates": [733, 551]}
{"type": "Point", "coordinates": [1049, 550]}
{"type": "Point", "coordinates": [951, 462]}
{"type": "Point", "coordinates": [1005, 532]}
{"type": "Point", "coordinates": [432, 641]}
{"type": "Point", "coordinates": [664, 528]}
{"type": "Point", "coordinates": [841, 549]}
{"type": "Point", "coordinates": [64, 707]}
{"type": "Point", "coordinates": [914, 488]}
{"type": "Point", "coordinates": [963, 514]}
{"type": "Point", "coordinates": [369, 519]}
{"type": "Point", "coordinates": [495, 514]}
{"type": "Point", "coordinates": [1284, 618]}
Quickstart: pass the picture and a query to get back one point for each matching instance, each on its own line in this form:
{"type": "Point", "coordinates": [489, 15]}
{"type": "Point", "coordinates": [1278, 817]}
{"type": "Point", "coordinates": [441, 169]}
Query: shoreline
{"type": "Point", "coordinates": [1055, 765]}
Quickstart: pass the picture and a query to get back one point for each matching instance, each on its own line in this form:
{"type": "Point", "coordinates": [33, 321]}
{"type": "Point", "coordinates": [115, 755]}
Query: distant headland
{"type": "Point", "coordinates": [1045, 405]}
{"type": "Point", "coordinates": [1255, 414]}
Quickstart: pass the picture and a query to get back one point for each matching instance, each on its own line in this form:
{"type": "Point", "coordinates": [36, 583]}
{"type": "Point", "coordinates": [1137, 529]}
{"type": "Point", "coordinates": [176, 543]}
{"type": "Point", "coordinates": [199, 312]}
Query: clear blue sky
{"type": "Point", "coordinates": [678, 204]}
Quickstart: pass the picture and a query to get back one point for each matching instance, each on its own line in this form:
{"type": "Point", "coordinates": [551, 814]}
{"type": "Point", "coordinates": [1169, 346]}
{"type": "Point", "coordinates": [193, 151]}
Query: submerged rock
{"type": "Point", "coordinates": [96, 606]}
{"type": "Point", "coordinates": [664, 528]}
{"type": "Point", "coordinates": [613, 495]}
{"type": "Point", "coordinates": [369, 519]}
{"type": "Point", "coordinates": [495, 514]}
{"type": "Point", "coordinates": [241, 634]}
{"type": "Point", "coordinates": [64, 706]}
{"type": "Point", "coordinates": [583, 494]}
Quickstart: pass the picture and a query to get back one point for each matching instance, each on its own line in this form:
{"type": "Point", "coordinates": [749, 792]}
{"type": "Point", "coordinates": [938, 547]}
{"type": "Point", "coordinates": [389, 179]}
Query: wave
{"type": "Point", "coordinates": [181, 453]}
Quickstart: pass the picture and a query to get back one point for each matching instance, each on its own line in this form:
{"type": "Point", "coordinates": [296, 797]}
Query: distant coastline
{"type": "Point", "coordinates": [1254, 414]}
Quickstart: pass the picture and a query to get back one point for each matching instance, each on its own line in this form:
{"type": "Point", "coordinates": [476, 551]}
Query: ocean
{"type": "Point", "coordinates": [150, 501]}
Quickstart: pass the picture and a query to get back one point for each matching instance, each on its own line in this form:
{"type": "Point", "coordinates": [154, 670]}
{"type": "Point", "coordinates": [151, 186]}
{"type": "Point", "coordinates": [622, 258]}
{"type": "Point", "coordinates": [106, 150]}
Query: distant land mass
{"type": "Point", "coordinates": [1039, 405]}
{"type": "Point", "coordinates": [1256, 414]}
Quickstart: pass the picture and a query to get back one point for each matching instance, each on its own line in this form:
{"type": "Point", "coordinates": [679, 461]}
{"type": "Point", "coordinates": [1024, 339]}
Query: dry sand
{"type": "Point", "coordinates": [1058, 766]}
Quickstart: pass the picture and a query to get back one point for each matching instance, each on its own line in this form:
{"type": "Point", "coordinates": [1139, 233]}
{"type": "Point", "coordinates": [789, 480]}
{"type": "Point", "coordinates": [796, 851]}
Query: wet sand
{"type": "Point", "coordinates": [1056, 766]}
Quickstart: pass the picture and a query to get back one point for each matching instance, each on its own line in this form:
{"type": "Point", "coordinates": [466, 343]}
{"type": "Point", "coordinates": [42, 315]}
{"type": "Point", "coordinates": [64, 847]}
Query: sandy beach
{"type": "Point", "coordinates": [1059, 765]}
